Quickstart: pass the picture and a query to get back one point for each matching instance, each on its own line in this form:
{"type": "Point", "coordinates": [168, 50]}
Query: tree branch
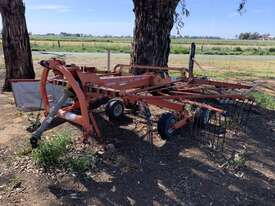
{"type": "Point", "coordinates": [241, 8]}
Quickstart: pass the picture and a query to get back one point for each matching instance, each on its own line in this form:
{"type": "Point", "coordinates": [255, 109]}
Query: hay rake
{"type": "Point", "coordinates": [210, 107]}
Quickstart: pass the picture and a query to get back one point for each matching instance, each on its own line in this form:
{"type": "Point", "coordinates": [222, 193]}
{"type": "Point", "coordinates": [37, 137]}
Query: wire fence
{"type": "Point", "coordinates": [214, 66]}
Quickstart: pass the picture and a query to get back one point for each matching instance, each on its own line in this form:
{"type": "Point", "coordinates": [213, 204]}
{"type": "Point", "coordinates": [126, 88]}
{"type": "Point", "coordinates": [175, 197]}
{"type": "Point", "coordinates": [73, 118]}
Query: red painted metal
{"type": "Point", "coordinates": [88, 85]}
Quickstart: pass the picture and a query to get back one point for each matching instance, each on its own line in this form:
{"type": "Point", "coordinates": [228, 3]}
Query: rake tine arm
{"type": "Point", "coordinates": [159, 101]}
{"type": "Point", "coordinates": [220, 84]}
{"type": "Point", "coordinates": [149, 68]}
{"type": "Point", "coordinates": [167, 85]}
{"type": "Point", "coordinates": [186, 93]}
{"type": "Point", "coordinates": [190, 97]}
{"type": "Point", "coordinates": [204, 106]}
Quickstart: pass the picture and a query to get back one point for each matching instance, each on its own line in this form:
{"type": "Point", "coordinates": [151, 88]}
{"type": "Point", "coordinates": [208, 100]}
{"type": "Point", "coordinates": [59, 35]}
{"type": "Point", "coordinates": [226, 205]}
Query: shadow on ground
{"type": "Point", "coordinates": [178, 173]}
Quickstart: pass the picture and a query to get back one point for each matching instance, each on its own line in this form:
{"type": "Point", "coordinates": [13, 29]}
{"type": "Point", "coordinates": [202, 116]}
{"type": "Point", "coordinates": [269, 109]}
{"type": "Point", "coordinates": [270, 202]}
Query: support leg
{"type": "Point", "coordinates": [48, 120]}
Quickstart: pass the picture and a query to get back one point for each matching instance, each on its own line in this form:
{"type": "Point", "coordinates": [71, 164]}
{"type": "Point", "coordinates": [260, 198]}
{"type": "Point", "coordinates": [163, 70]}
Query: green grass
{"type": "Point", "coordinates": [81, 48]}
{"type": "Point", "coordinates": [178, 46]}
{"type": "Point", "coordinates": [264, 100]}
{"type": "Point", "coordinates": [50, 153]}
{"type": "Point", "coordinates": [126, 48]}
{"type": "Point", "coordinates": [218, 42]}
{"type": "Point", "coordinates": [58, 152]}
{"type": "Point", "coordinates": [81, 163]}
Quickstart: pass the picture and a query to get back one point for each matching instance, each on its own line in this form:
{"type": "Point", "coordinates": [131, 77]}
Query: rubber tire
{"type": "Point", "coordinates": [110, 109]}
{"type": "Point", "coordinates": [164, 124]}
{"type": "Point", "coordinates": [107, 106]}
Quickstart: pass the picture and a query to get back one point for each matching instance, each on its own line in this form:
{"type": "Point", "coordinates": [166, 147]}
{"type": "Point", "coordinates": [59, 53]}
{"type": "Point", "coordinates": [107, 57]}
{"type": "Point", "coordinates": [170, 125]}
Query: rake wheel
{"type": "Point", "coordinates": [165, 126]}
{"type": "Point", "coordinates": [114, 109]}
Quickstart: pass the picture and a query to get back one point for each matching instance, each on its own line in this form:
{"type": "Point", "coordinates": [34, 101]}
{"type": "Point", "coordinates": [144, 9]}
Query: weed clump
{"type": "Point", "coordinates": [81, 163]}
{"type": "Point", "coordinates": [51, 152]}
{"type": "Point", "coordinates": [58, 152]}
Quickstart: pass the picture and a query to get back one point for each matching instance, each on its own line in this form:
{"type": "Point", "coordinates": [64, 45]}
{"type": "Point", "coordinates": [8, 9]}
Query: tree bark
{"type": "Point", "coordinates": [16, 43]}
{"type": "Point", "coordinates": [154, 20]}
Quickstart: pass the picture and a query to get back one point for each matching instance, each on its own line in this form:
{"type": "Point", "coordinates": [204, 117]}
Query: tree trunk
{"type": "Point", "coordinates": [16, 44]}
{"type": "Point", "coordinates": [153, 24]}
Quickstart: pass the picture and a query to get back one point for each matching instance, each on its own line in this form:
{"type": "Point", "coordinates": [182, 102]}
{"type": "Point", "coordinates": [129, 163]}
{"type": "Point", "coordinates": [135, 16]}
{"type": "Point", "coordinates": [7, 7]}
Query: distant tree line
{"type": "Point", "coordinates": [254, 36]}
{"type": "Point", "coordinates": [65, 34]}
{"type": "Point", "coordinates": [195, 37]}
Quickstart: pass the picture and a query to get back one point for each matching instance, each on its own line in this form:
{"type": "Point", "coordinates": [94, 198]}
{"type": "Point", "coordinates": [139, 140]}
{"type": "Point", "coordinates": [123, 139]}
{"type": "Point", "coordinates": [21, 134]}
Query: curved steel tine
{"type": "Point", "coordinates": [217, 130]}
{"type": "Point", "coordinates": [242, 112]}
{"type": "Point", "coordinates": [211, 130]}
{"type": "Point", "coordinates": [206, 132]}
{"type": "Point", "coordinates": [195, 126]}
{"type": "Point", "coordinates": [224, 134]}
{"type": "Point", "coordinates": [249, 110]}
{"type": "Point", "coordinates": [222, 130]}
{"type": "Point", "coordinates": [246, 112]}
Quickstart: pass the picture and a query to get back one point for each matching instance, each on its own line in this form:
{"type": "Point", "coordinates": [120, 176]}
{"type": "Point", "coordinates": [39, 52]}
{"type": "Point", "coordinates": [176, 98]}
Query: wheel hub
{"type": "Point", "coordinates": [118, 110]}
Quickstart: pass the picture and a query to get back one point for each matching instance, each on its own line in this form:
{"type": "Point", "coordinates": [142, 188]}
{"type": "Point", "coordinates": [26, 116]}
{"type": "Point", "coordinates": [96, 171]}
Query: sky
{"type": "Point", "coordinates": [115, 17]}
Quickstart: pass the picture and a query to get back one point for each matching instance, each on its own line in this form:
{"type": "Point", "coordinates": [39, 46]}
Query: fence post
{"type": "Point", "coordinates": [191, 60]}
{"type": "Point", "coordinates": [109, 60]}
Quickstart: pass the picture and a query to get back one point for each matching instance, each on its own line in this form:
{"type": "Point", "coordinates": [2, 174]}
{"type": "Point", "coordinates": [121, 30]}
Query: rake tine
{"type": "Point", "coordinates": [238, 111]}
{"type": "Point", "coordinates": [248, 109]}
{"type": "Point", "coordinates": [225, 128]}
{"type": "Point", "coordinates": [195, 126]}
{"type": "Point", "coordinates": [192, 126]}
{"type": "Point", "coordinates": [243, 114]}
{"type": "Point", "coordinates": [213, 131]}
{"type": "Point", "coordinates": [243, 111]}
{"type": "Point", "coordinates": [217, 130]}
{"type": "Point", "coordinates": [208, 130]}
{"type": "Point", "coordinates": [203, 134]}
{"type": "Point", "coordinates": [234, 116]}
{"type": "Point", "coordinates": [250, 104]}
{"type": "Point", "coordinates": [222, 133]}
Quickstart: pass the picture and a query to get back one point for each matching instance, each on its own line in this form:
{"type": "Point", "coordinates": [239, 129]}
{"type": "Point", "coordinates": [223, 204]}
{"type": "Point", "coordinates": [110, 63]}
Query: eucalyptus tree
{"type": "Point", "coordinates": [154, 20]}
{"type": "Point", "coordinates": [16, 42]}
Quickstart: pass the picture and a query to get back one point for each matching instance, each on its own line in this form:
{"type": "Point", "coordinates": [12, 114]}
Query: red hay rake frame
{"type": "Point", "coordinates": [87, 86]}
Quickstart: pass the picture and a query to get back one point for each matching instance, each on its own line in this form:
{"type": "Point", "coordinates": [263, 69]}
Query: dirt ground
{"type": "Point", "coordinates": [183, 171]}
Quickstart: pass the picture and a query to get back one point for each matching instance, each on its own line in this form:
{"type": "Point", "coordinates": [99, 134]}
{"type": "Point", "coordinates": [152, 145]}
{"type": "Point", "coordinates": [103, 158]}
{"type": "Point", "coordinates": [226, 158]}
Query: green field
{"type": "Point", "coordinates": [178, 46]}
